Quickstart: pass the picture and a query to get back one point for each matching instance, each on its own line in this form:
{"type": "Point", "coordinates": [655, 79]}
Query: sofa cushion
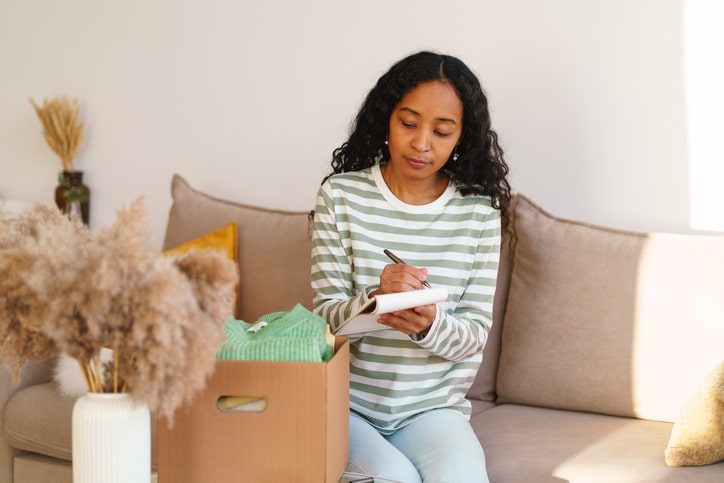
{"type": "Point", "coordinates": [609, 321]}
{"type": "Point", "coordinates": [698, 434]}
{"type": "Point", "coordinates": [525, 444]}
{"type": "Point", "coordinates": [38, 419]}
{"type": "Point", "coordinates": [267, 239]}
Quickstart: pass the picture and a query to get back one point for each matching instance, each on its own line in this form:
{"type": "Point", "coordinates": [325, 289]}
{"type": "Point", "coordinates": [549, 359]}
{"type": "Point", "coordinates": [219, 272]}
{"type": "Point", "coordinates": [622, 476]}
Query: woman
{"type": "Point", "coordinates": [422, 174]}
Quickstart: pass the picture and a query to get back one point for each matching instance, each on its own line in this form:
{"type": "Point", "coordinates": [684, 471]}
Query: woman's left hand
{"type": "Point", "coordinates": [410, 321]}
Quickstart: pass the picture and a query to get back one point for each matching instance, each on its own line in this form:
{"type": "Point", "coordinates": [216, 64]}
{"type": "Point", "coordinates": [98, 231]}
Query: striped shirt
{"type": "Point", "coordinates": [393, 379]}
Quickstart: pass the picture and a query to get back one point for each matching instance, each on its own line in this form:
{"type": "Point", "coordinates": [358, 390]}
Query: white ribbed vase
{"type": "Point", "coordinates": [111, 439]}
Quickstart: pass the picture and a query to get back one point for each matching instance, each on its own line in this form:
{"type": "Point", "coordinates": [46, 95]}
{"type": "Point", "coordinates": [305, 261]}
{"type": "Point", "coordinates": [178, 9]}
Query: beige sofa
{"type": "Point", "coordinates": [600, 338]}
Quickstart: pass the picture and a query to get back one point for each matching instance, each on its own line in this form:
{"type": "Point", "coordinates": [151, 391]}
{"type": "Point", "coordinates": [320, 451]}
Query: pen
{"type": "Point", "coordinates": [397, 259]}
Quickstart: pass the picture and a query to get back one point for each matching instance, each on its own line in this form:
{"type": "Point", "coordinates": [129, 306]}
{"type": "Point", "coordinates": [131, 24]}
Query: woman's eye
{"type": "Point", "coordinates": [442, 134]}
{"type": "Point", "coordinates": [408, 124]}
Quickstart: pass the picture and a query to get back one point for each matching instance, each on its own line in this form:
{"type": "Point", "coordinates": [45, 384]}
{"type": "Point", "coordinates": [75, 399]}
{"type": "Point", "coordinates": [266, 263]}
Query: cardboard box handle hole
{"type": "Point", "coordinates": [241, 404]}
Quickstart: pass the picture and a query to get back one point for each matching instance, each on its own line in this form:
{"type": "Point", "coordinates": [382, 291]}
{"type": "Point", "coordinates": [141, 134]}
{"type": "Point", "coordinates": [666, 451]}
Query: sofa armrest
{"type": "Point", "coordinates": [33, 373]}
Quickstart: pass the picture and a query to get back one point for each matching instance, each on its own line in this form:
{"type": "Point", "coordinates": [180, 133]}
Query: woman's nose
{"type": "Point", "coordinates": [421, 141]}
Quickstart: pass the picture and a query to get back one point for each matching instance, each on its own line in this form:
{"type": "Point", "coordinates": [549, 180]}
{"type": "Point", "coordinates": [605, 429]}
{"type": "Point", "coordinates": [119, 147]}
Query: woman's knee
{"type": "Point", "coordinates": [371, 454]}
{"type": "Point", "coordinates": [444, 448]}
{"type": "Point", "coordinates": [458, 469]}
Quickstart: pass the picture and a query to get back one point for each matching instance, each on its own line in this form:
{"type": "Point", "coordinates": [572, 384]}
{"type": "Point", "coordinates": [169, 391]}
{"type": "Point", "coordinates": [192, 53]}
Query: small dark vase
{"type": "Point", "coordinates": [72, 196]}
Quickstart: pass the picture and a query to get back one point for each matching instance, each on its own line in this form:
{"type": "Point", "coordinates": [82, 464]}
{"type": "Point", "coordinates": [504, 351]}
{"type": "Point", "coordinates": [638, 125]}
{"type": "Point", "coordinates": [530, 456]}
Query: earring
{"type": "Point", "coordinates": [386, 142]}
{"type": "Point", "coordinates": [455, 155]}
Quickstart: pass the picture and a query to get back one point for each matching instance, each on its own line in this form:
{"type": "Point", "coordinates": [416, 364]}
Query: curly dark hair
{"type": "Point", "coordinates": [480, 168]}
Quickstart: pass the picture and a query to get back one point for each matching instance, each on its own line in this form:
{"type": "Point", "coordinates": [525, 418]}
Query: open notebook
{"type": "Point", "coordinates": [365, 319]}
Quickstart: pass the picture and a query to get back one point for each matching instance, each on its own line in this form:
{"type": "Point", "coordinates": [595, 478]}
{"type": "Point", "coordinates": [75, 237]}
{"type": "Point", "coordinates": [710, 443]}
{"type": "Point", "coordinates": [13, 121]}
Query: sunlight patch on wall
{"type": "Point", "coordinates": [704, 71]}
{"type": "Point", "coordinates": [679, 285]}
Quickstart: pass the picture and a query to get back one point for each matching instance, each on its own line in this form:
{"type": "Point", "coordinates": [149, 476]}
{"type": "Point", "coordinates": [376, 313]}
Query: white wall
{"type": "Point", "coordinates": [247, 100]}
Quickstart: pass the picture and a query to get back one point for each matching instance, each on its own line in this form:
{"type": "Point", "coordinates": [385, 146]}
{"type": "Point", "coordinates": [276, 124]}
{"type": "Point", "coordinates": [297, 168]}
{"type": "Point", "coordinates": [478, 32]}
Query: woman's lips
{"type": "Point", "coordinates": [416, 163]}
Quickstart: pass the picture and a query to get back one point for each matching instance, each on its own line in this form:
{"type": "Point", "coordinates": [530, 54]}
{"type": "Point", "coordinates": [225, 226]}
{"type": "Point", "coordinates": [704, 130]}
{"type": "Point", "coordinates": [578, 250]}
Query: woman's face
{"type": "Point", "coordinates": [424, 128]}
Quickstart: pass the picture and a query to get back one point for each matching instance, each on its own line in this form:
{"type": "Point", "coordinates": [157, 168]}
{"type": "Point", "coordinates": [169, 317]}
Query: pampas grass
{"type": "Point", "coordinates": [69, 289]}
{"type": "Point", "coordinates": [61, 128]}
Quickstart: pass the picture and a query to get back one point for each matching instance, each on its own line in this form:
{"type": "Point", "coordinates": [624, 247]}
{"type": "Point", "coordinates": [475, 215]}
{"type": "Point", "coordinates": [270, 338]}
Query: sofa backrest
{"type": "Point", "coordinates": [274, 247]}
{"type": "Point", "coordinates": [585, 317]}
{"type": "Point", "coordinates": [608, 321]}
{"type": "Point", "coordinates": [483, 389]}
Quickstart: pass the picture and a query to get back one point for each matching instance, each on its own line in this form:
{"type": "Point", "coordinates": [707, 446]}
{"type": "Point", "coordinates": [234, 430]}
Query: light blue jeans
{"type": "Point", "coordinates": [438, 447]}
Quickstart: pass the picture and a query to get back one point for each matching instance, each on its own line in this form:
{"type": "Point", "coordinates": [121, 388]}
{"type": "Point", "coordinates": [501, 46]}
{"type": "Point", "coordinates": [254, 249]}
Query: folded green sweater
{"type": "Point", "coordinates": [296, 335]}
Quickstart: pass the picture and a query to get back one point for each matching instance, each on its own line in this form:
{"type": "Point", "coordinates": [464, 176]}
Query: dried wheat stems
{"type": "Point", "coordinates": [63, 132]}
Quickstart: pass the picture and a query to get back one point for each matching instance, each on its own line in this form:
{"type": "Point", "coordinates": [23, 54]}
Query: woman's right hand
{"type": "Point", "coordinates": [400, 277]}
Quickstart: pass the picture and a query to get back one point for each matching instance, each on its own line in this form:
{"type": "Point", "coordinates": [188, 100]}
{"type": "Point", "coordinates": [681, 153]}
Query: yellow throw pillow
{"type": "Point", "coordinates": [698, 434]}
{"type": "Point", "coordinates": [225, 238]}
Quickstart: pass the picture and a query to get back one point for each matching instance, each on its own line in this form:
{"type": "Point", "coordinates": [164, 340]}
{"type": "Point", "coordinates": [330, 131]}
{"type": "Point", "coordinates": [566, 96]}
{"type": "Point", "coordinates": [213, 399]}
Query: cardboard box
{"type": "Point", "coordinates": [302, 434]}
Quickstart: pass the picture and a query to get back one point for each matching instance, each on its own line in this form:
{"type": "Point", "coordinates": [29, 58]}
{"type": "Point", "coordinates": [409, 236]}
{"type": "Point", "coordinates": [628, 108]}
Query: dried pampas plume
{"type": "Point", "coordinates": [70, 289]}
{"type": "Point", "coordinates": [61, 128]}
{"type": "Point", "coordinates": [24, 244]}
